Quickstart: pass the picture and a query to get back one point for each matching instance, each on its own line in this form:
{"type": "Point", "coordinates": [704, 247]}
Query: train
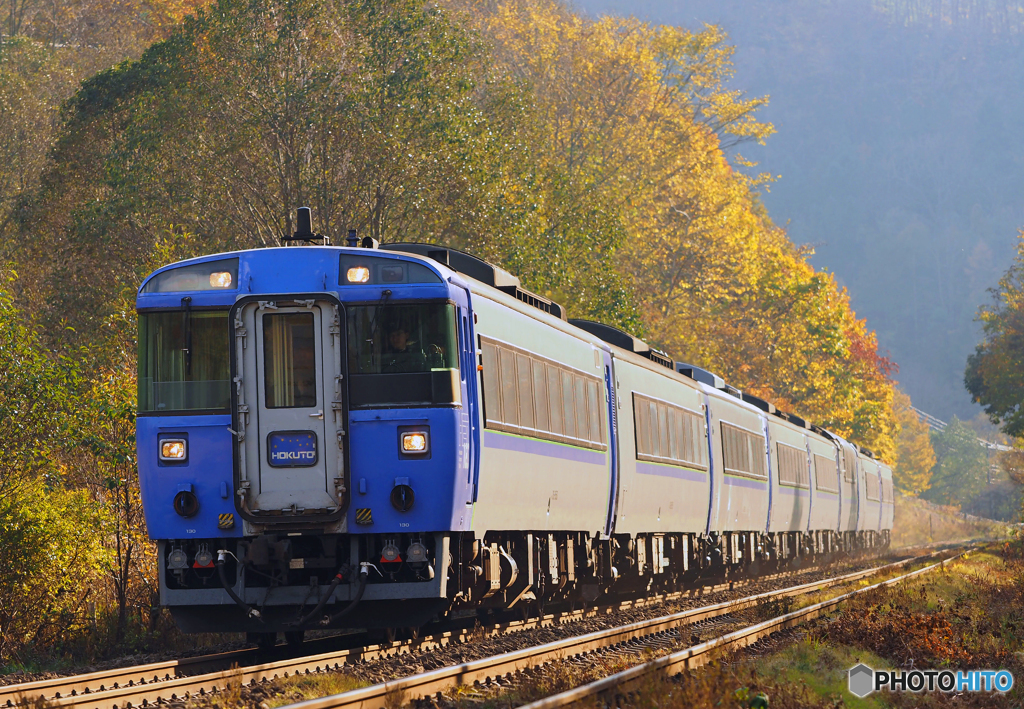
{"type": "Point", "coordinates": [383, 435]}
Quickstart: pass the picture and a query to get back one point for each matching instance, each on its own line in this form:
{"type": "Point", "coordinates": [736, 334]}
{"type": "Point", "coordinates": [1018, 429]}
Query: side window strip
{"type": "Point", "coordinates": [532, 396]}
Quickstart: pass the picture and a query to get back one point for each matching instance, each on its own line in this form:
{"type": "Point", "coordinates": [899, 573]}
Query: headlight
{"type": "Point", "coordinates": [220, 279]}
{"type": "Point", "coordinates": [415, 442]}
{"type": "Point", "coordinates": [173, 449]}
{"type": "Point", "coordinates": [358, 274]}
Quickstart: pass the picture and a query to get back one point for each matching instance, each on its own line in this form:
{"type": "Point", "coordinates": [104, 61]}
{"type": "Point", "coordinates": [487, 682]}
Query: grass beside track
{"type": "Point", "coordinates": [968, 616]}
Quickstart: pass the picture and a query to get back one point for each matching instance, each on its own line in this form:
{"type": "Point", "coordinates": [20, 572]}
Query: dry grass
{"type": "Point", "coordinates": [301, 687]}
{"type": "Point", "coordinates": [918, 522]}
{"type": "Point", "coordinates": [967, 616]}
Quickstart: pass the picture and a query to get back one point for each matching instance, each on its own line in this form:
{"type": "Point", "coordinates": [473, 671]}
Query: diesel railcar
{"type": "Point", "coordinates": [374, 437]}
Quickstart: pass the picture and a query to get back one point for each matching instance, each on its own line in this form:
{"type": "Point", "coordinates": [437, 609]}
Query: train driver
{"type": "Point", "coordinates": [403, 353]}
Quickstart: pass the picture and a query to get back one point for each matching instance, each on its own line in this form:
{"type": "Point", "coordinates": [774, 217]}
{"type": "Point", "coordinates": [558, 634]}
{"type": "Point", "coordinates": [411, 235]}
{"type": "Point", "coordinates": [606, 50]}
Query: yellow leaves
{"type": "Point", "coordinates": [722, 287]}
{"type": "Point", "coordinates": [915, 456]}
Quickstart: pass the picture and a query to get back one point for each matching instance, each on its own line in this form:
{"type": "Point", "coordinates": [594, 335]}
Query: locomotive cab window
{"type": "Point", "coordinates": [183, 361]}
{"type": "Point", "coordinates": [403, 354]}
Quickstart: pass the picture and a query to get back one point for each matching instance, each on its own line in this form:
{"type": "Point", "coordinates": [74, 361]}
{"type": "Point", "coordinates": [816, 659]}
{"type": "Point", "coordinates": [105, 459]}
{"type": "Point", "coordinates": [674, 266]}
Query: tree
{"type": "Point", "coordinates": [38, 396]}
{"type": "Point", "coordinates": [961, 468]}
{"type": "Point", "coordinates": [607, 118]}
{"type": "Point", "coordinates": [362, 110]}
{"type": "Point", "coordinates": [33, 82]}
{"type": "Point", "coordinates": [995, 372]}
{"type": "Point", "coordinates": [103, 457]}
{"type": "Point", "coordinates": [915, 457]}
{"type": "Point", "coordinates": [49, 531]}
{"type": "Point", "coordinates": [49, 549]}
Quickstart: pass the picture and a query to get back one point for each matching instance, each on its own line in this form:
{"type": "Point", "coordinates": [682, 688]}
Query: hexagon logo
{"type": "Point", "coordinates": [861, 680]}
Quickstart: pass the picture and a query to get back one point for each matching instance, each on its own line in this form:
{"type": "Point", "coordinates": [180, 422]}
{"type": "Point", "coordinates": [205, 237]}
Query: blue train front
{"type": "Point", "coordinates": [302, 436]}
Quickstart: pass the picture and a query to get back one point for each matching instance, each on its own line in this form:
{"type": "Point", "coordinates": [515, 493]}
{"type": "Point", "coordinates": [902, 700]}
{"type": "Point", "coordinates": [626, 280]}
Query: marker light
{"type": "Point", "coordinates": [172, 449]}
{"type": "Point", "coordinates": [358, 274]}
{"type": "Point", "coordinates": [415, 442]}
{"type": "Point", "coordinates": [220, 279]}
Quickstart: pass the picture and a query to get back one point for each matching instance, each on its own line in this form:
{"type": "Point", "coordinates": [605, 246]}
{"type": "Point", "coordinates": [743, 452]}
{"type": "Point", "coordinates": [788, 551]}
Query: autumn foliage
{"type": "Point", "coordinates": [995, 372]}
{"type": "Point", "coordinates": [594, 158]}
{"type": "Point", "coordinates": [915, 456]}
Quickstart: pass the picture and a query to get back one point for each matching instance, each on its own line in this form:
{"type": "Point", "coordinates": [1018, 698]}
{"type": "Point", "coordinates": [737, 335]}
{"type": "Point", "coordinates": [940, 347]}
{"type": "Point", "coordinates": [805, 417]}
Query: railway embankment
{"type": "Point", "coordinates": [790, 638]}
{"type": "Point", "coordinates": [565, 671]}
{"type": "Point", "coordinates": [968, 615]}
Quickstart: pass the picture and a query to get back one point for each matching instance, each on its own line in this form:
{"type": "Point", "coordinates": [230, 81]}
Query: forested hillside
{"type": "Point", "coordinates": [588, 157]}
{"type": "Point", "coordinates": [585, 157]}
{"type": "Point", "coordinates": [899, 156]}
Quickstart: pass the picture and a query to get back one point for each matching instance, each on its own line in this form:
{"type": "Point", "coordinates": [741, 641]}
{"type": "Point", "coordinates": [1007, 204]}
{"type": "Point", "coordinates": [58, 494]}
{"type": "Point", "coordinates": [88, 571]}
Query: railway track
{"type": "Point", "coordinates": [179, 679]}
{"type": "Point", "coordinates": [95, 683]}
{"type": "Point", "coordinates": [503, 669]}
{"type": "Point", "coordinates": [700, 654]}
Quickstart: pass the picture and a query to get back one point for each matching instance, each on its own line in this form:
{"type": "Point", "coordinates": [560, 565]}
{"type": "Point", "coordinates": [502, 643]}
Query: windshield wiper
{"type": "Point", "coordinates": [187, 302]}
{"type": "Point", "coordinates": [385, 294]}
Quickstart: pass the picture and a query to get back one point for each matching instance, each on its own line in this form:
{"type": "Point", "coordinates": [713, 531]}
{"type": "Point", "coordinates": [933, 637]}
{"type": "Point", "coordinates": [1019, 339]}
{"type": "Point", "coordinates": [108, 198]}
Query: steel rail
{"type": "Point", "coordinates": [699, 655]}
{"type": "Point", "coordinates": [160, 672]}
{"type": "Point", "coordinates": [426, 684]}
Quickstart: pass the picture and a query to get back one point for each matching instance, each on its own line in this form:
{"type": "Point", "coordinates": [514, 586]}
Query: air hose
{"type": "Point", "coordinates": [249, 610]}
{"type": "Point", "coordinates": [363, 573]}
{"type": "Point", "coordinates": [338, 578]}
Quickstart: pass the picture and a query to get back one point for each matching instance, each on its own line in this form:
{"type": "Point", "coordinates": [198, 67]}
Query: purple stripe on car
{"type": "Point", "coordinates": [535, 446]}
{"type": "Point", "coordinates": [793, 491]}
{"type": "Point", "coordinates": [672, 471]}
{"type": "Point", "coordinates": [745, 482]}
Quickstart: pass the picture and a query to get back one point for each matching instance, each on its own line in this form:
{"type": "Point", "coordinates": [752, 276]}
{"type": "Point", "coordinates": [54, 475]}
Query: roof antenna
{"type": "Point", "coordinates": [352, 239]}
{"type": "Point", "coordinates": [304, 229]}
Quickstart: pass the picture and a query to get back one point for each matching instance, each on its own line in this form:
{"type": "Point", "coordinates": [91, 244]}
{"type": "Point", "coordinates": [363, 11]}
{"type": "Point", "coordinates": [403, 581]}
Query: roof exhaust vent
{"type": "Point", "coordinates": [700, 375]}
{"type": "Point", "coordinates": [766, 406]}
{"type": "Point", "coordinates": [620, 338]}
{"type": "Point", "coordinates": [480, 270]}
{"type": "Point", "coordinates": [794, 419]}
{"type": "Point", "coordinates": [732, 391]}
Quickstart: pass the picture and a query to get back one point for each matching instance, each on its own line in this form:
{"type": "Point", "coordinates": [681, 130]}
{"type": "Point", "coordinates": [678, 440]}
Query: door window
{"type": "Point", "coordinates": [289, 352]}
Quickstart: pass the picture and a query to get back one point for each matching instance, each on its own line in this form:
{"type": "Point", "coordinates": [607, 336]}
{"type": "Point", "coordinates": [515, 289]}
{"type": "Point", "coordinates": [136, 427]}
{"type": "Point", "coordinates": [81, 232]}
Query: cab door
{"type": "Point", "coordinates": [290, 409]}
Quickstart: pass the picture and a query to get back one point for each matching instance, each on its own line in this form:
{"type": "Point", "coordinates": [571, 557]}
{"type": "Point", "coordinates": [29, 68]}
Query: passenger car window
{"type": "Point", "coordinates": [533, 396]}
